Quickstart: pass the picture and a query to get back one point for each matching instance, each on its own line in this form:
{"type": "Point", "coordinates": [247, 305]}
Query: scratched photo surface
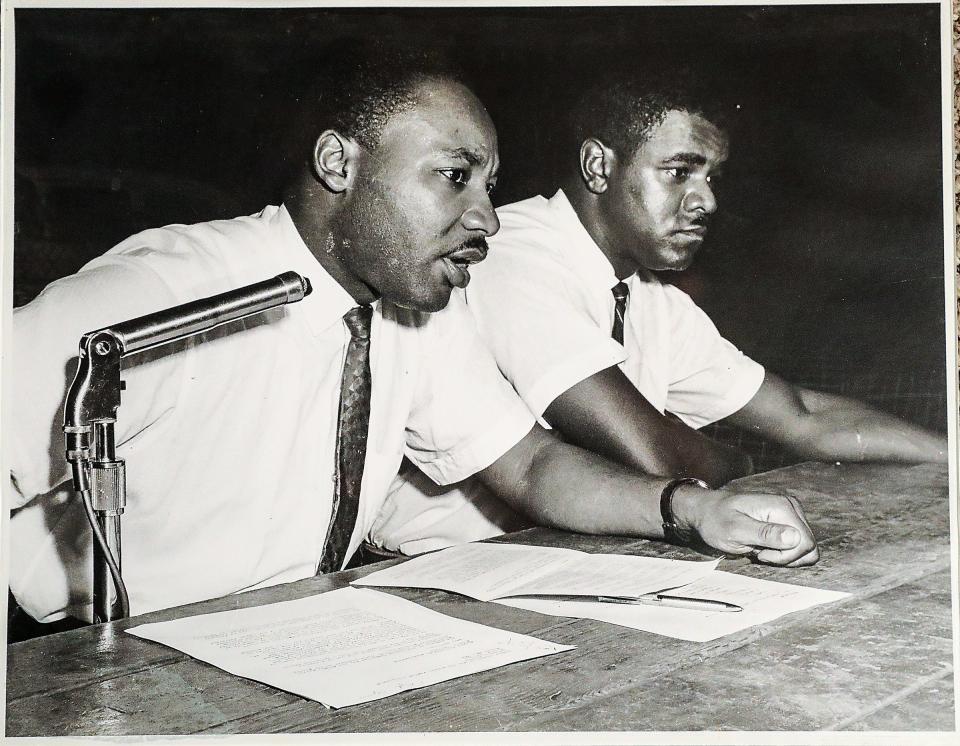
{"type": "Point", "coordinates": [824, 262]}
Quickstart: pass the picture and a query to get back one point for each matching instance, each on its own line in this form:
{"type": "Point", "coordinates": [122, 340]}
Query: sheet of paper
{"type": "Point", "coordinates": [615, 575]}
{"type": "Point", "coordinates": [490, 571]}
{"type": "Point", "coordinates": [346, 646]}
{"type": "Point", "coordinates": [762, 601]}
{"type": "Point", "coordinates": [481, 571]}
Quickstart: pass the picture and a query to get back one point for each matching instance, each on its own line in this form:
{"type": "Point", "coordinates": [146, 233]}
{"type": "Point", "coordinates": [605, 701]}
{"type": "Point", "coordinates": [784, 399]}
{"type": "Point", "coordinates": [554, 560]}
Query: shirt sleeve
{"type": "Point", "coordinates": [45, 336]}
{"type": "Point", "coordinates": [465, 415]}
{"type": "Point", "coordinates": [711, 378]}
{"type": "Point", "coordinates": [553, 342]}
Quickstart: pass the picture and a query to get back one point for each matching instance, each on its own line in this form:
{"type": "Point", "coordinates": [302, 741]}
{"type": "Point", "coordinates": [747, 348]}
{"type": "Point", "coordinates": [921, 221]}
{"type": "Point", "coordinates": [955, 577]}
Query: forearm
{"type": "Point", "coordinates": [570, 488]}
{"type": "Point", "coordinates": [562, 486]}
{"type": "Point", "coordinates": [848, 430]}
{"type": "Point", "coordinates": [607, 415]}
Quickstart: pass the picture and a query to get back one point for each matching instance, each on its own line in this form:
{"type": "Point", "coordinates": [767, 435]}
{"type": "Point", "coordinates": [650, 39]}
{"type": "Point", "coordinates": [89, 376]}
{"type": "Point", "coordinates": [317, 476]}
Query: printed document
{"type": "Point", "coordinates": [346, 646]}
{"type": "Point", "coordinates": [489, 571]}
{"type": "Point", "coordinates": [762, 601]}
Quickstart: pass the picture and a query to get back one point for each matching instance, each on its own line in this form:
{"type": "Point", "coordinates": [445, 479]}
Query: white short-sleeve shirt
{"type": "Point", "coordinates": [229, 438]}
{"type": "Point", "coordinates": [543, 304]}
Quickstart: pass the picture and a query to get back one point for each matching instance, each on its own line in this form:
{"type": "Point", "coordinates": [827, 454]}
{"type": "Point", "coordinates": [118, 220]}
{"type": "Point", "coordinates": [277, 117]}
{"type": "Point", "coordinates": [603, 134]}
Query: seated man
{"type": "Point", "coordinates": [244, 462]}
{"type": "Point", "coordinates": [618, 362]}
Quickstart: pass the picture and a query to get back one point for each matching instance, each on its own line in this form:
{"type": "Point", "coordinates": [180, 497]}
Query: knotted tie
{"type": "Point", "coordinates": [352, 424]}
{"type": "Point", "coordinates": [620, 294]}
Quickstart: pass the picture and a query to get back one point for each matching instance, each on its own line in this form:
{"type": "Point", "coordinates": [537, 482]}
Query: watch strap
{"type": "Point", "coordinates": [672, 532]}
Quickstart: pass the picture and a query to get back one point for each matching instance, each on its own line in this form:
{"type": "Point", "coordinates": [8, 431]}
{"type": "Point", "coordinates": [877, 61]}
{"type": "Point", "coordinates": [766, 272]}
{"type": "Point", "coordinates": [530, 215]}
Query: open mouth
{"type": "Point", "coordinates": [469, 255]}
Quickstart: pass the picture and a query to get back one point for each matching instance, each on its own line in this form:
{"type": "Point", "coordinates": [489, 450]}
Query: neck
{"type": "Point", "coordinates": [313, 213]}
{"type": "Point", "coordinates": [589, 209]}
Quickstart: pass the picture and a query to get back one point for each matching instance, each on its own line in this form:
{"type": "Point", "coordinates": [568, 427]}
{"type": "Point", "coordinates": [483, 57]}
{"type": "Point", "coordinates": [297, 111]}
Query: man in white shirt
{"type": "Point", "coordinates": [232, 440]}
{"type": "Point", "coordinates": [635, 389]}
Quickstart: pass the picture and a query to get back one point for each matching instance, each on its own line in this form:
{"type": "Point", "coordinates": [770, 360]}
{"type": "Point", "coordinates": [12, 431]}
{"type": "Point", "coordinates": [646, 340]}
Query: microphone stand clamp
{"type": "Point", "coordinates": [89, 419]}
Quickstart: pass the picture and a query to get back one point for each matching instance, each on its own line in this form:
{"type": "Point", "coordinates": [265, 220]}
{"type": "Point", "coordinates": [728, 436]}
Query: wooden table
{"type": "Point", "coordinates": [881, 659]}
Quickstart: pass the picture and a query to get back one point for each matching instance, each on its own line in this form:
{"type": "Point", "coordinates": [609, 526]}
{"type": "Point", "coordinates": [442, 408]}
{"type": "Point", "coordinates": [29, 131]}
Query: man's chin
{"type": "Point", "coordinates": [432, 304]}
{"type": "Point", "coordinates": [675, 265]}
{"type": "Point", "coordinates": [681, 259]}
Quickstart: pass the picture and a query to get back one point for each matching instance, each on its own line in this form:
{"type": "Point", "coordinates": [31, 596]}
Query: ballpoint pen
{"type": "Point", "coordinates": [679, 602]}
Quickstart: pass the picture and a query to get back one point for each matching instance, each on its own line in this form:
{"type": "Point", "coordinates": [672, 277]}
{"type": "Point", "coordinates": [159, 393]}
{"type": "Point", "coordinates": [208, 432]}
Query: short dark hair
{"type": "Point", "coordinates": [356, 91]}
{"type": "Point", "coordinates": [621, 112]}
{"type": "Point", "coordinates": [380, 87]}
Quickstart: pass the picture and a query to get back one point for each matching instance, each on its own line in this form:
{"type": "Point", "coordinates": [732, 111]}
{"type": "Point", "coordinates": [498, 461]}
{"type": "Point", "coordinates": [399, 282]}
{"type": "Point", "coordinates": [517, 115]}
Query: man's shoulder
{"type": "Point", "coordinates": [154, 268]}
{"type": "Point", "coordinates": [531, 239]}
{"type": "Point", "coordinates": [647, 284]}
{"type": "Point", "coordinates": [530, 219]}
{"type": "Point", "coordinates": [530, 208]}
{"type": "Point", "coordinates": [185, 254]}
{"type": "Point", "coordinates": [655, 298]}
{"type": "Point", "coordinates": [194, 241]}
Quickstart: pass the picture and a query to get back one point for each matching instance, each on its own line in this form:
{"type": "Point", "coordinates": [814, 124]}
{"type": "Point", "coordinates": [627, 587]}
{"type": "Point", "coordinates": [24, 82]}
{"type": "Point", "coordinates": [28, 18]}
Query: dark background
{"type": "Point", "coordinates": [825, 262]}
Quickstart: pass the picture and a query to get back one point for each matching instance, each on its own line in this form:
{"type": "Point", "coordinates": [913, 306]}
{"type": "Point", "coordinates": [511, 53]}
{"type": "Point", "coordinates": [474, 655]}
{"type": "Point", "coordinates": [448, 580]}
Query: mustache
{"type": "Point", "coordinates": [476, 242]}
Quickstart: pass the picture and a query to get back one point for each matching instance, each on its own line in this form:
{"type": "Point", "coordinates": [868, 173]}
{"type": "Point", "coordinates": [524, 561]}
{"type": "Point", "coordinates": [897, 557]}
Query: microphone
{"type": "Point", "coordinates": [171, 324]}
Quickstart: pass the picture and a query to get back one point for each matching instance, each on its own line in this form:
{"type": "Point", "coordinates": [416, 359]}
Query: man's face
{"type": "Point", "coordinates": [660, 198]}
{"type": "Point", "coordinates": [421, 209]}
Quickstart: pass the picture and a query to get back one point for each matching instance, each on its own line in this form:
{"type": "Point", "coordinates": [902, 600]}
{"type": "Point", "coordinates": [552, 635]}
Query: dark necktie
{"type": "Point", "coordinates": [620, 294]}
{"type": "Point", "coordinates": [352, 424]}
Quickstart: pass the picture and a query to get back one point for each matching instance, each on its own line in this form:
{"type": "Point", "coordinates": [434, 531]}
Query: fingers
{"type": "Point", "coordinates": [802, 551]}
{"type": "Point", "coordinates": [807, 540]}
{"type": "Point", "coordinates": [810, 558]}
{"type": "Point", "coordinates": [771, 528]}
{"type": "Point", "coordinates": [763, 535]}
{"type": "Point", "coordinates": [779, 535]}
{"type": "Point", "coordinates": [798, 512]}
{"type": "Point", "coordinates": [783, 559]}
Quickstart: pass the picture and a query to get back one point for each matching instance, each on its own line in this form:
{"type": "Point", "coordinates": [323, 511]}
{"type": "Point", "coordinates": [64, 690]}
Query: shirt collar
{"type": "Point", "coordinates": [589, 260]}
{"type": "Point", "coordinates": [328, 302]}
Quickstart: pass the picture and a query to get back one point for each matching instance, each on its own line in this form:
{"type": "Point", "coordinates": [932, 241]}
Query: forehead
{"type": "Point", "coordinates": [445, 118]}
{"type": "Point", "coordinates": [684, 134]}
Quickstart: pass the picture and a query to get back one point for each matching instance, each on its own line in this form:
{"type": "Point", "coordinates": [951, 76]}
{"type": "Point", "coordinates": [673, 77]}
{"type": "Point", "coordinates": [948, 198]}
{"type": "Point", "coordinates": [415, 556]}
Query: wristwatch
{"type": "Point", "coordinates": [672, 532]}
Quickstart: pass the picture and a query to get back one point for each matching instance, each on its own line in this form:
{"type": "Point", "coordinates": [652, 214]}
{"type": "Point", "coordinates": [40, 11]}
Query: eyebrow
{"type": "Point", "coordinates": [693, 159]}
{"type": "Point", "coordinates": [470, 156]}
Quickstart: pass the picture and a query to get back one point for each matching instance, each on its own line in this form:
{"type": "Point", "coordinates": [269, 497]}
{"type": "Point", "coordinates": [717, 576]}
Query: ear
{"type": "Point", "coordinates": [335, 160]}
{"type": "Point", "coordinates": [597, 162]}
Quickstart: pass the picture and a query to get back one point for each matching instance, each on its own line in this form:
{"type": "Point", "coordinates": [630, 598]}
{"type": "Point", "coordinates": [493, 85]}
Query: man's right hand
{"type": "Point", "coordinates": [771, 527]}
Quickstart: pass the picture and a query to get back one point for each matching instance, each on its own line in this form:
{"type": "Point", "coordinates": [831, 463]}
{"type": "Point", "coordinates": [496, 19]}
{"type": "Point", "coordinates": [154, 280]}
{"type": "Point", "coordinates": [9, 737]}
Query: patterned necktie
{"type": "Point", "coordinates": [352, 424]}
{"type": "Point", "coordinates": [620, 294]}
